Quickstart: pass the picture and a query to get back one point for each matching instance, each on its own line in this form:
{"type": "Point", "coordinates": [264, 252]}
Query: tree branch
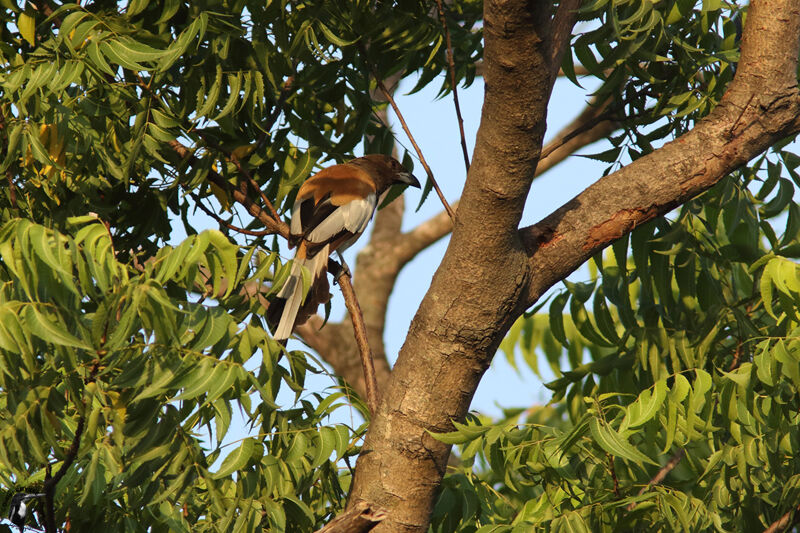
{"type": "Point", "coordinates": [273, 225]}
{"type": "Point", "coordinates": [243, 172]}
{"type": "Point", "coordinates": [661, 474]}
{"type": "Point", "coordinates": [561, 32]}
{"type": "Point", "coordinates": [785, 522]}
{"type": "Point", "coordinates": [612, 469]}
{"type": "Point", "coordinates": [360, 331]}
{"type": "Point", "coordinates": [198, 201]}
{"type": "Point", "coordinates": [50, 482]}
{"type": "Point", "coordinates": [452, 68]}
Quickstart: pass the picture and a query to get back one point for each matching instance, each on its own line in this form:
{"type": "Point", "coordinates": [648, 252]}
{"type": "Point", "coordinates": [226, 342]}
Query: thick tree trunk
{"type": "Point", "coordinates": [477, 291]}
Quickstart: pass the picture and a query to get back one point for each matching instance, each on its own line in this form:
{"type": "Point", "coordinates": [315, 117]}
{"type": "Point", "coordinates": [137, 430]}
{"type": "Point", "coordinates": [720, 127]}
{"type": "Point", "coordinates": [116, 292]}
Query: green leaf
{"type": "Point", "coordinates": [13, 141]}
{"type": "Point", "coordinates": [225, 375]}
{"type": "Point", "coordinates": [325, 446]}
{"type": "Point", "coordinates": [180, 46]}
{"type": "Point", "coordinates": [557, 318]}
{"type": "Point", "coordinates": [117, 53]}
{"type": "Point", "coordinates": [781, 200]}
{"type": "Point", "coordinates": [50, 331]}
{"type": "Point", "coordinates": [202, 377]}
{"type": "Point", "coordinates": [27, 25]}
{"type": "Point", "coordinates": [234, 84]}
{"type": "Point", "coordinates": [615, 444]}
{"type": "Point", "coordinates": [98, 59]}
{"type": "Point", "coordinates": [646, 406]}
{"type": "Point", "coordinates": [335, 39]}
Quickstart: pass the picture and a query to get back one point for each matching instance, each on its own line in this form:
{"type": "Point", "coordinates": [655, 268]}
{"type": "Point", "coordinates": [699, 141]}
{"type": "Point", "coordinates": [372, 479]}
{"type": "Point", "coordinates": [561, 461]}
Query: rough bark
{"type": "Point", "coordinates": [359, 518]}
{"type": "Point", "coordinates": [491, 271]}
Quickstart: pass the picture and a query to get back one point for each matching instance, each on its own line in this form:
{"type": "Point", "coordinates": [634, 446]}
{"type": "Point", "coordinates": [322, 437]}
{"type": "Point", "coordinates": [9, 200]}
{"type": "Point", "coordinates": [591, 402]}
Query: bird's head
{"type": "Point", "coordinates": [386, 171]}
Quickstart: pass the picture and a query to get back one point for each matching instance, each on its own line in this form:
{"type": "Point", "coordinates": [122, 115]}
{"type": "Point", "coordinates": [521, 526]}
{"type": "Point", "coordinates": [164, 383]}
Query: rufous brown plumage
{"type": "Point", "coordinates": [331, 211]}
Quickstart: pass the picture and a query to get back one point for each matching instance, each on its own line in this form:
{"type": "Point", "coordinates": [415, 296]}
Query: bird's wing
{"type": "Point", "coordinates": [351, 217]}
{"type": "Point", "coordinates": [333, 206]}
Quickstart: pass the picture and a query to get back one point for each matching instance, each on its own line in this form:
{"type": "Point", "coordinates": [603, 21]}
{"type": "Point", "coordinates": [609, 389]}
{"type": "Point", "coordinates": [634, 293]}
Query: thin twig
{"type": "Point", "coordinates": [736, 122]}
{"type": "Point", "coordinates": [244, 173]}
{"type": "Point", "coordinates": [272, 224]}
{"type": "Point", "coordinates": [255, 186]}
{"type": "Point", "coordinates": [661, 474]}
{"type": "Point", "coordinates": [586, 126]}
{"type": "Point", "coordinates": [12, 190]}
{"type": "Point", "coordinates": [737, 356]}
{"type": "Point", "coordinates": [613, 474]}
{"type": "Point", "coordinates": [50, 482]}
{"type": "Point", "coordinates": [360, 329]}
{"type": "Point", "coordinates": [49, 505]}
{"type": "Point", "coordinates": [785, 522]}
{"type": "Point", "coordinates": [278, 107]}
{"type": "Point", "coordinates": [452, 67]}
{"type": "Point", "coordinates": [216, 217]}
{"type": "Point", "coordinates": [12, 187]}
{"type": "Point", "coordinates": [561, 32]}
{"type": "Point", "coordinates": [397, 112]}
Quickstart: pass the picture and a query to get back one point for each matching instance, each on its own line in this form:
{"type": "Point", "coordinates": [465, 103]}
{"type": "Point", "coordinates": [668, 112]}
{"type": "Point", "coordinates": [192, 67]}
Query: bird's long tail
{"type": "Point", "coordinates": [292, 290]}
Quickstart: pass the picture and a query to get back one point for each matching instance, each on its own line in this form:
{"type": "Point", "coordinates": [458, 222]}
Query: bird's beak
{"type": "Point", "coordinates": [409, 179]}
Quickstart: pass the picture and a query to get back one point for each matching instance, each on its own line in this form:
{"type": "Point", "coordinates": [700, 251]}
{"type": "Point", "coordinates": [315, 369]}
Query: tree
{"type": "Point", "coordinates": [676, 398]}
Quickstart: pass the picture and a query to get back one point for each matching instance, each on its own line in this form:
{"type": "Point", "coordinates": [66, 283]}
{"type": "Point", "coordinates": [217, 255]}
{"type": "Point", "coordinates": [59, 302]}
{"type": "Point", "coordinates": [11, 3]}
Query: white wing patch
{"type": "Point", "coordinates": [295, 224]}
{"type": "Point", "coordinates": [352, 216]}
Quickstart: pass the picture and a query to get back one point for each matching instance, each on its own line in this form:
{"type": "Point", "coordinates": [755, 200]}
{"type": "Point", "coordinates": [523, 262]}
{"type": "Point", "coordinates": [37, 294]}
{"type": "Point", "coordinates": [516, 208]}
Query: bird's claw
{"type": "Point", "coordinates": [337, 268]}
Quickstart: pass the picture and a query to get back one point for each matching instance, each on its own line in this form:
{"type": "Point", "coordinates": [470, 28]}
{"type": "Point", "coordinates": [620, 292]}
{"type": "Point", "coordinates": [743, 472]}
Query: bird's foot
{"type": "Point", "coordinates": [337, 268]}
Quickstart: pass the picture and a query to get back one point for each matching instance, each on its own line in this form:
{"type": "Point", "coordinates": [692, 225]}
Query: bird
{"type": "Point", "coordinates": [19, 509]}
{"type": "Point", "coordinates": [331, 211]}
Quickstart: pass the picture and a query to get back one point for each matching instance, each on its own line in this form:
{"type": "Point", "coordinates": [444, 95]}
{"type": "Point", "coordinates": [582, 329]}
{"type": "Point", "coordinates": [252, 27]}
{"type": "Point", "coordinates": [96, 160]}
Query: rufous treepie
{"type": "Point", "coordinates": [331, 211]}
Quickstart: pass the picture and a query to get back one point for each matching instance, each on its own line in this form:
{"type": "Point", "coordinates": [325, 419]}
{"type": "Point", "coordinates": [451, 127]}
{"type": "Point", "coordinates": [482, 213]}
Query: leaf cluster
{"type": "Point", "coordinates": [155, 368]}
{"type": "Point", "coordinates": [663, 65]}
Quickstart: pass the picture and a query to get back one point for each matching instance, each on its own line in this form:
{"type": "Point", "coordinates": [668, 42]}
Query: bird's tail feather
{"type": "Point", "coordinates": [292, 291]}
